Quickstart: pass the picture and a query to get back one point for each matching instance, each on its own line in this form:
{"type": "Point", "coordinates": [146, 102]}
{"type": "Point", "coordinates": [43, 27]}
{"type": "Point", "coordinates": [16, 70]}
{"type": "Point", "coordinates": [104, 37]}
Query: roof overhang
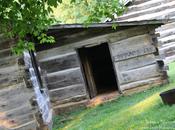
{"type": "Point", "coordinates": [108, 24]}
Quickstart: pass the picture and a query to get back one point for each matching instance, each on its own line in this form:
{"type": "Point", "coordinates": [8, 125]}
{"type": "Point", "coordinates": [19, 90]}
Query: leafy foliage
{"type": "Point", "coordinates": [19, 18]}
{"type": "Point", "coordinates": [22, 18]}
{"type": "Point", "coordinates": [88, 11]}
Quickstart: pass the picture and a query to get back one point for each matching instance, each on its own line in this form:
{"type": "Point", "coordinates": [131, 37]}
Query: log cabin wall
{"type": "Point", "coordinates": [139, 10]}
{"type": "Point", "coordinates": [64, 79]}
{"type": "Point", "coordinates": [16, 111]}
{"type": "Point", "coordinates": [137, 61]}
{"type": "Point", "coordinates": [167, 41]}
{"type": "Point", "coordinates": [133, 51]}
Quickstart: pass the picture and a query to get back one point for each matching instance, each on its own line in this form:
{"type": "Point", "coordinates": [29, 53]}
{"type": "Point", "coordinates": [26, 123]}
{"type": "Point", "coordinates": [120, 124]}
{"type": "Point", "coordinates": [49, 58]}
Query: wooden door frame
{"type": "Point", "coordinates": [91, 90]}
{"type": "Point", "coordinates": [89, 83]}
{"type": "Point", "coordinates": [114, 68]}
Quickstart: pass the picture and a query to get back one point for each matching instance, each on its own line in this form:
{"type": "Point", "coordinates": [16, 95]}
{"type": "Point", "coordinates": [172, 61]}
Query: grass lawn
{"type": "Point", "coordinates": [141, 111]}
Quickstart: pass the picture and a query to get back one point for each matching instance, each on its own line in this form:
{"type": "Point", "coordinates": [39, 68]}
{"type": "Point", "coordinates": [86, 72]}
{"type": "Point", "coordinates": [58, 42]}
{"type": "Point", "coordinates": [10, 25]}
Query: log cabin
{"type": "Point", "coordinates": [88, 62]}
{"type": "Point", "coordinates": [85, 63]}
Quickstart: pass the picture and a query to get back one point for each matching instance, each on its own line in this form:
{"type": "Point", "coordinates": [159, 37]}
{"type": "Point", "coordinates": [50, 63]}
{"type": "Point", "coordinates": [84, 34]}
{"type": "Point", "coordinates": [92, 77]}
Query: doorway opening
{"type": "Point", "coordinates": [98, 69]}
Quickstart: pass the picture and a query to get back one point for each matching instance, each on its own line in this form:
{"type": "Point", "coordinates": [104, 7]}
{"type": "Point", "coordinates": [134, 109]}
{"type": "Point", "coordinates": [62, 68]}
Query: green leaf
{"type": "Point", "coordinates": [19, 18]}
{"type": "Point", "coordinates": [114, 26]}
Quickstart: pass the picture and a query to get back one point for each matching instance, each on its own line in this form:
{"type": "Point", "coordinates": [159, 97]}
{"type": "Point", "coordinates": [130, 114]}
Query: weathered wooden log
{"type": "Point", "coordinates": [70, 106]}
{"type": "Point", "coordinates": [144, 4]}
{"type": "Point", "coordinates": [131, 42]}
{"type": "Point", "coordinates": [139, 74]}
{"type": "Point", "coordinates": [136, 62]}
{"type": "Point", "coordinates": [67, 92]}
{"type": "Point", "coordinates": [168, 39]}
{"type": "Point", "coordinates": [141, 83]}
{"type": "Point", "coordinates": [135, 52]}
{"type": "Point", "coordinates": [60, 63]}
{"type": "Point", "coordinates": [146, 11]}
{"type": "Point", "coordinates": [76, 98]}
{"type": "Point", "coordinates": [32, 125]}
{"type": "Point", "coordinates": [8, 61]}
{"type": "Point", "coordinates": [5, 53]}
{"type": "Point", "coordinates": [64, 78]}
{"type": "Point", "coordinates": [166, 33]}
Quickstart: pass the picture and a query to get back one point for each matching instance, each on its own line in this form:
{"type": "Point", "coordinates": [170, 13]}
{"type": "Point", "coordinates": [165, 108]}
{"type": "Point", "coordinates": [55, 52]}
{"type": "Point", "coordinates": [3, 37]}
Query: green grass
{"type": "Point", "coordinates": [141, 111]}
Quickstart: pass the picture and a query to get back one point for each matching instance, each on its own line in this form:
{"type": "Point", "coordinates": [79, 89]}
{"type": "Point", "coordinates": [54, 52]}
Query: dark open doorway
{"type": "Point", "coordinates": [98, 69]}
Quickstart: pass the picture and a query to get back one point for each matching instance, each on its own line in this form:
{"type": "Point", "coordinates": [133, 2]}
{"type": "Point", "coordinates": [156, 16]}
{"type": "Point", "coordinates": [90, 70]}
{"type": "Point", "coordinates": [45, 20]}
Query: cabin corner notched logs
{"type": "Point", "coordinates": [133, 51]}
{"type": "Point", "coordinates": [16, 111]}
{"type": "Point", "coordinates": [158, 10]}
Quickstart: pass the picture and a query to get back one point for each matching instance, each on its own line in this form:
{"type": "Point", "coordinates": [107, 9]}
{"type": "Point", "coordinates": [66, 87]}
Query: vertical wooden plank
{"type": "Point", "coordinates": [88, 76]}
{"type": "Point", "coordinates": [116, 71]}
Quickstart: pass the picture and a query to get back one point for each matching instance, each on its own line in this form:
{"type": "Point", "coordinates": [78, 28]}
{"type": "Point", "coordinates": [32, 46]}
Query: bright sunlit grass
{"type": "Point", "coordinates": [142, 111]}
